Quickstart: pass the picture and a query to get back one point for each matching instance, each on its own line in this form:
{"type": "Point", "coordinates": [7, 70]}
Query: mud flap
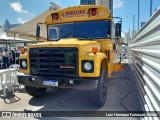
{"type": "Point", "coordinates": [118, 67]}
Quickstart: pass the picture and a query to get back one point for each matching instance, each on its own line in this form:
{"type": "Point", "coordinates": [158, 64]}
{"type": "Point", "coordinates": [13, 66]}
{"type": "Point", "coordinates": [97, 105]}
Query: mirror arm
{"type": "Point", "coordinates": [40, 23]}
{"type": "Point", "coordinates": [118, 18]}
{"type": "Point", "coordinates": [38, 26]}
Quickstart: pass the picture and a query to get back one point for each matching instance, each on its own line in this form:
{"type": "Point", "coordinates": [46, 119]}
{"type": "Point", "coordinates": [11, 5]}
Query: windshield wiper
{"type": "Point", "coordinates": [84, 37]}
{"type": "Point", "coordinates": [65, 36]}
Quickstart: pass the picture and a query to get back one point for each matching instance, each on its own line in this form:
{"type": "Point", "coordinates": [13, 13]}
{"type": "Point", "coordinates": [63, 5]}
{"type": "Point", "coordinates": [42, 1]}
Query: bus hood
{"type": "Point", "coordinates": [67, 42]}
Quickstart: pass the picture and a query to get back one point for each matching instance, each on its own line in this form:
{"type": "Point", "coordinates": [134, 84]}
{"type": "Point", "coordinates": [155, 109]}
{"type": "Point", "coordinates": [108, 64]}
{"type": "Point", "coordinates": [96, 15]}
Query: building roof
{"type": "Point", "coordinates": [6, 25]}
{"type": "Point", "coordinates": [28, 29]}
{"type": "Point", "coordinates": [4, 39]}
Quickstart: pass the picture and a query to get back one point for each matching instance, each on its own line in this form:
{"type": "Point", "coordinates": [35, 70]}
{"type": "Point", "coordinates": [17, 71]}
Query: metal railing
{"type": "Point", "coordinates": [144, 58]}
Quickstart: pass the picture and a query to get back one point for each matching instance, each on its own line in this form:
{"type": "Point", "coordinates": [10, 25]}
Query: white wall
{"type": "Point", "coordinates": [106, 4]}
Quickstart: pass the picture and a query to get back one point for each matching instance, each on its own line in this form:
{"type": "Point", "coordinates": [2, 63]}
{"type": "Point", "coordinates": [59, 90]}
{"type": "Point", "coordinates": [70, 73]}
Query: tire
{"type": "Point", "coordinates": [101, 90]}
{"type": "Point", "coordinates": [35, 91]}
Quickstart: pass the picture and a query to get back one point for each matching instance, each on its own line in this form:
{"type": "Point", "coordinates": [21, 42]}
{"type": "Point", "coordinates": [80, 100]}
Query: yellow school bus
{"type": "Point", "coordinates": [79, 52]}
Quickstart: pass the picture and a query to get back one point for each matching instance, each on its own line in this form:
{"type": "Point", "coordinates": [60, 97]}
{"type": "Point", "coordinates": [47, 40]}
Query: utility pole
{"type": "Point", "coordinates": [111, 6]}
{"type": "Point", "coordinates": [138, 14]}
{"type": "Point", "coordinates": [150, 8]}
{"type": "Point", "coordinates": [128, 37]}
{"type": "Point", "coordinates": [133, 25]}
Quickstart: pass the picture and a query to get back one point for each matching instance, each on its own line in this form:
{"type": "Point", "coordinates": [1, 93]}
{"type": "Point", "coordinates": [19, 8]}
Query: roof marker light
{"type": "Point", "coordinates": [55, 16]}
{"type": "Point", "coordinates": [93, 12]}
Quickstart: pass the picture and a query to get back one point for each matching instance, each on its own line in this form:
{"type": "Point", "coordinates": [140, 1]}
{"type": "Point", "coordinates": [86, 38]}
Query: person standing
{"type": "Point", "coordinates": [14, 55]}
{"type": "Point", "coordinates": [5, 56]}
{"type": "Point", "coordinates": [17, 55]}
{"type": "Point", "coordinates": [1, 61]}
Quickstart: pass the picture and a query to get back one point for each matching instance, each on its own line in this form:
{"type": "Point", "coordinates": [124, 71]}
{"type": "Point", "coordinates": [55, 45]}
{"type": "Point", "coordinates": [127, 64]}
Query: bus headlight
{"type": "Point", "coordinates": [88, 66]}
{"type": "Point", "coordinates": [23, 63]}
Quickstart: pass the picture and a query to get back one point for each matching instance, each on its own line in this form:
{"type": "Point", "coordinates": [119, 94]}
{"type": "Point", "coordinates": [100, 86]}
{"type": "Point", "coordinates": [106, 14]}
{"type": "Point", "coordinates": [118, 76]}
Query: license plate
{"type": "Point", "coordinates": [50, 82]}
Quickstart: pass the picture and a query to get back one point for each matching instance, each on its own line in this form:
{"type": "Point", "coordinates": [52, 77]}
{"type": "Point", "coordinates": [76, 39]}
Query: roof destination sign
{"type": "Point", "coordinates": [73, 13]}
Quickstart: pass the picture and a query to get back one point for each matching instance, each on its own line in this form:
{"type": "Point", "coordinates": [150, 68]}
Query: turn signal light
{"type": "Point", "coordinates": [94, 50]}
{"type": "Point", "coordinates": [23, 50]}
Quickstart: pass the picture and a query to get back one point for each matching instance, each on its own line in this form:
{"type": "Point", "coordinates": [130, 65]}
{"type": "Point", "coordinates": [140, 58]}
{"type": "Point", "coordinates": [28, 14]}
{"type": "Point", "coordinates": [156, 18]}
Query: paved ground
{"type": "Point", "coordinates": [121, 96]}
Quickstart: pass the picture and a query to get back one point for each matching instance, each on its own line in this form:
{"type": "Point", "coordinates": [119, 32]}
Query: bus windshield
{"type": "Point", "coordinates": [82, 30]}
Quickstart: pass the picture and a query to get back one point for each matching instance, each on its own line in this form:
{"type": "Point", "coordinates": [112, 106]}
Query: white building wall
{"type": "Point", "coordinates": [106, 3]}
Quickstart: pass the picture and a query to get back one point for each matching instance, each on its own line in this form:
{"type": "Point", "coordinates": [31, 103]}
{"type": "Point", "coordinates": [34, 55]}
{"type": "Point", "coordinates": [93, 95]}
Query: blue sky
{"type": "Point", "coordinates": [20, 11]}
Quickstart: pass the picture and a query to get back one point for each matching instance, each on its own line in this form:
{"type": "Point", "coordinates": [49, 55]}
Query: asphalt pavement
{"type": "Point", "coordinates": [121, 96]}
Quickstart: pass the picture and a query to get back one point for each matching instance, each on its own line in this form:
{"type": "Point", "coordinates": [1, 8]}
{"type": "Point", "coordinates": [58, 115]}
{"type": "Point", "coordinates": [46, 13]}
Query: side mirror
{"type": "Point", "coordinates": [118, 30]}
{"type": "Point", "coordinates": [114, 46]}
{"type": "Point", "coordinates": [37, 32]}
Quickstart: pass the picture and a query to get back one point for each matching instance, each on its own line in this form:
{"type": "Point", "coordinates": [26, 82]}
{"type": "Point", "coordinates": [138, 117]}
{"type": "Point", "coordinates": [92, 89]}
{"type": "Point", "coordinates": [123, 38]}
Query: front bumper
{"type": "Point", "coordinates": [79, 83]}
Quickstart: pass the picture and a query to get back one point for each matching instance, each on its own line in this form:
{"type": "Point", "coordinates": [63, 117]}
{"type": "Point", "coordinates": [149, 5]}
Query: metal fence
{"type": "Point", "coordinates": [144, 54]}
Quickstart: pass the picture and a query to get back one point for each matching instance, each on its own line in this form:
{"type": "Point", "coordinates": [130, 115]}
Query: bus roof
{"type": "Point", "coordinates": [78, 13]}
